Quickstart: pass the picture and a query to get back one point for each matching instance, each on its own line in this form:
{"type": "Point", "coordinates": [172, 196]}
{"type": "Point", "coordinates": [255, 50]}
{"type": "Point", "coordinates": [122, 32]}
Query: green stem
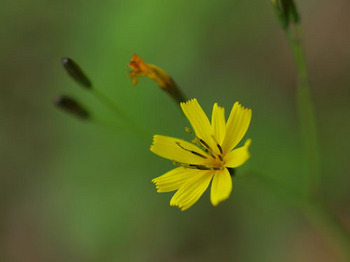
{"type": "Point", "coordinates": [109, 103]}
{"type": "Point", "coordinates": [306, 114]}
{"type": "Point", "coordinates": [317, 212]}
{"type": "Point", "coordinates": [125, 121]}
{"type": "Point", "coordinates": [330, 227]}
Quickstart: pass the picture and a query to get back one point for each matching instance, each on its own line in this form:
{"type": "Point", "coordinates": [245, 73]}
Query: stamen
{"type": "Point", "coordinates": [196, 142]}
{"type": "Point", "coordinates": [192, 166]}
{"type": "Point", "coordinates": [180, 164]}
{"type": "Point", "coordinates": [193, 152]}
{"type": "Point", "coordinates": [201, 143]}
{"type": "Point", "coordinates": [217, 144]}
{"type": "Point", "coordinates": [200, 140]}
{"type": "Point", "coordinates": [185, 165]}
{"type": "Point", "coordinates": [200, 167]}
{"type": "Point", "coordinates": [219, 148]}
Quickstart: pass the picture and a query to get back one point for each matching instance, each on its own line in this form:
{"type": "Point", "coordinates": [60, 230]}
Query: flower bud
{"type": "Point", "coordinates": [70, 105]}
{"type": "Point", "coordinates": [140, 68]}
{"type": "Point", "coordinates": [75, 72]}
{"type": "Point", "coordinates": [286, 12]}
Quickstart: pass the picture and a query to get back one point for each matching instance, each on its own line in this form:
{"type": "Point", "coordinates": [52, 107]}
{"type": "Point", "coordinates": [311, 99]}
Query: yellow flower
{"type": "Point", "coordinates": [140, 68]}
{"type": "Point", "coordinates": [209, 158]}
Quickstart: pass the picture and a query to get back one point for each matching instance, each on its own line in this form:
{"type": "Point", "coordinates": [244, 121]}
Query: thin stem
{"type": "Point", "coordinates": [125, 121]}
{"type": "Point", "coordinates": [317, 212]}
{"type": "Point", "coordinates": [96, 119]}
{"type": "Point", "coordinates": [109, 103]}
{"type": "Point", "coordinates": [308, 127]}
{"type": "Point", "coordinates": [330, 227]}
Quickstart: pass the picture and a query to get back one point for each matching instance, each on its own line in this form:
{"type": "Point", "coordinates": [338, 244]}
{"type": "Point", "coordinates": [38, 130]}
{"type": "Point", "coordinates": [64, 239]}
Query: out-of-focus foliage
{"type": "Point", "coordinates": [74, 191]}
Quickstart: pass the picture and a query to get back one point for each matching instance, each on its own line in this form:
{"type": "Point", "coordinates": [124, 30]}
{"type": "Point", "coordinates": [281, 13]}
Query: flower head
{"type": "Point", "coordinates": [208, 158]}
{"type": "Point", "coordinates": [140, 68]}
{"type": "Point", "coordinates": [167, 84]}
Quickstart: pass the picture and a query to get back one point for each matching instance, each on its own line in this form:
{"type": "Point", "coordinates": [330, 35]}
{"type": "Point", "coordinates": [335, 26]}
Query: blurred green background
{"type": "Point", "coordinates": [74, 191]}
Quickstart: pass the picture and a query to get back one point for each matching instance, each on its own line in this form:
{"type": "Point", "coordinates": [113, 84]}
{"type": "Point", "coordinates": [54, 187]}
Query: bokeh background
{"type": "Point", "coordinates": [76, 191]}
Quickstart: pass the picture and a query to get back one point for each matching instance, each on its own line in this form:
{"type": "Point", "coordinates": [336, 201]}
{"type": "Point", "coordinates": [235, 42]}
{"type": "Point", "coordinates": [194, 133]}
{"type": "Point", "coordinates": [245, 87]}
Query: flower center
{"type": "Point", "coordinates": [215, 161]}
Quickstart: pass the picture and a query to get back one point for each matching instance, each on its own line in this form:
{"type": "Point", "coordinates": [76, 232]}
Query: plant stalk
{"type": "Point", "coordinates": [318, 214]}
{"type": "Point", "coordinates": [306, 114]}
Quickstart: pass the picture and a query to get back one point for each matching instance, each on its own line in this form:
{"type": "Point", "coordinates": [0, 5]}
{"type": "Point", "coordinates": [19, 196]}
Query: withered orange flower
{"type": "Point", "coordinates": [140, 68]}
{"type": "Point", "coordinates": [167, 84]}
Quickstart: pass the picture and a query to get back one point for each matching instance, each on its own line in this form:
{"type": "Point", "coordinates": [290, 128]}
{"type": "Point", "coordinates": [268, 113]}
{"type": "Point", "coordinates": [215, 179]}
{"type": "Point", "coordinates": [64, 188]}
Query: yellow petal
{"type": "Point", "coordinates": [192, 190]}
{"type": "Point", "coordinates": [236, 126]}
{"type": "Point", "coordinates": [173, 179]}
{"type": "Point", "coordinates": [218, 123]}
{"type": "Point", "coordinates": [199, 121]}
{"type": "Point", "coordinates": [221, 187]}
{"type": "Point", "coordinates": [178, 150]}
{"type": "Point", "coordinates": [238, 156]}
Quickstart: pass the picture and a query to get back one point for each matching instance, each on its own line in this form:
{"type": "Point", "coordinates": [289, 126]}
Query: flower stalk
{"type": "Point", "coordinates": [316, 211]}
{"type": "Point", "coordinates": [307, 118]}
{"type": "Point", "coordinates": [73, 107]}
{"type": "Point", "coordinates": [311, 204]}
{"type": "Point", "coordinates": [78, 75]}
{"type": "Point", "coordinates": [330, 227]}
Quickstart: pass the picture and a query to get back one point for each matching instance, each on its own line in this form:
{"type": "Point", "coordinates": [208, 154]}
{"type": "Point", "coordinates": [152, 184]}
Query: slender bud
{"type": "Point", "coordinates": [286, 12]}
{"type": "Point", "coordinates": [140, 68]}
{"type": "Point", "coordinates": [70, 105]}
{"type": "Point", "coordinates": [75, 72]}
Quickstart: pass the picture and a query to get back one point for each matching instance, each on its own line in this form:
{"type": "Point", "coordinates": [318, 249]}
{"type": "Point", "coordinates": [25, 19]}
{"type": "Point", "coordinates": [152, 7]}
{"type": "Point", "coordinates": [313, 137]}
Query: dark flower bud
{"type": "Point", "coordinates": [75, 72]}
{"type": "Point", "coordinates": [286, 12]}
{"type": "Point", "coordinates": [71, 106]}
